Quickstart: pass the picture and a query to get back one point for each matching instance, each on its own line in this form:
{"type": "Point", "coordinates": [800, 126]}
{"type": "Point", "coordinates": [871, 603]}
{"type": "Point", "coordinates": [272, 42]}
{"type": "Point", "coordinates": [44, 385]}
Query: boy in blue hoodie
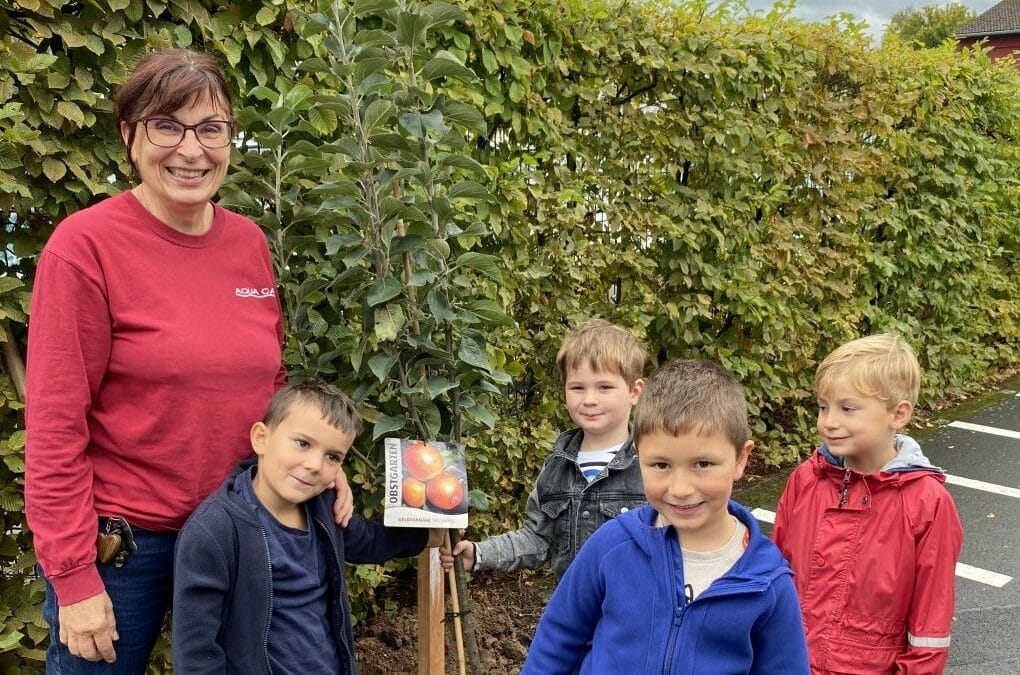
{"type": "Point", "coordinates": [258, 578]}
{"type": "Point", "coordinates": [687, 583]}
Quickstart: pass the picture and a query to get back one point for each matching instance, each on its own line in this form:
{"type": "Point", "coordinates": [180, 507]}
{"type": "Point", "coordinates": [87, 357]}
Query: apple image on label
{"type": "Point", "coordinates": [444, 491]}
{"type": "Point", "coordinates": [423, 461]}
{"type": "Point", "coordinates": [413, 492]}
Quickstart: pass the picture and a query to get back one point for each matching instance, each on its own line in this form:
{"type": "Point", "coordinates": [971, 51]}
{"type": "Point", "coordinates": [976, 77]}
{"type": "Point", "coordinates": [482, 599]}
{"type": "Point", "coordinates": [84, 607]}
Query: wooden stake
{"type": "Point", "coordinates": [431, 609]}
{"type": "Point", "coordinates": [458, 631]}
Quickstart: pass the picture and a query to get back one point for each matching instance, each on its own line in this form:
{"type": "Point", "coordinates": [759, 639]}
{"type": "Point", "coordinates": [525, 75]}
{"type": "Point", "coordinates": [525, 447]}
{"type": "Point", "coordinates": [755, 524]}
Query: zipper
{"type": "Point", "coordinates": [269, 609]}
{"type": "Point", "coordinates": [675, 565]}
{"type": "Point", "coordinates": [342, 594]}
{"type": "Point", "coordinates": [845, 487]}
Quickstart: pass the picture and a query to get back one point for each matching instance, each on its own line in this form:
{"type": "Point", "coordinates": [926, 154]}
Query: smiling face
{"type": "Point", "coordinates": [688, 480]}
{"type": "Point", "coordinates": [177, 183]}
{"type": "Point", "coordinates": [860, 428]}
{"type": "Point", "coordinates": [599, 402]}
{"type": "Point", "coordinates": [297, 459]}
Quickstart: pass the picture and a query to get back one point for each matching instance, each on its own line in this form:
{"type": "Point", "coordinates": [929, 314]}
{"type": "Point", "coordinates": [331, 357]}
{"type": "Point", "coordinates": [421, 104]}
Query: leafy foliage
{"type": "Point", "coordinates": [448, 188]}
{"type": "Point", "coordinates": [929, 26]}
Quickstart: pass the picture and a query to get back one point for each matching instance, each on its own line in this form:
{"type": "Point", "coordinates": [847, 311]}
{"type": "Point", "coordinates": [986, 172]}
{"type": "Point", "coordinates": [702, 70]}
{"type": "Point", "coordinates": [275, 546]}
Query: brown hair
{"type": "Point", "coordinates": [336, 406]}
{"type": "Point", "coordinates": [605, 348]}
{"type": "Point", "coordinates": [692, 396]}
{"type": "Point", "coordinates": [882, 366]}
{"type": "Point", "coordinates": [164, 81]}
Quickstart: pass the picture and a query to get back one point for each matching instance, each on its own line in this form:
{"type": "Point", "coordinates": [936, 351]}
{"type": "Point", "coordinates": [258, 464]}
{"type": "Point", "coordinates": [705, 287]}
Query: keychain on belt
{"type": "Point", "coordinates": [116, 543]}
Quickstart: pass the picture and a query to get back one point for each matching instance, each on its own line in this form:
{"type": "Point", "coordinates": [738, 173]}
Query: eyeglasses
{"type": "Point", "coordinates": [168, 133]}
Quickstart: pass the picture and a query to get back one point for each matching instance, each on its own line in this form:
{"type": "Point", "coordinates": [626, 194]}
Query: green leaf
{"type": "Point", "coordinates": [266, 15]}
{"type": "Point", "coordinates": [462, 162]}
{"type": "Point", "coordinates": [117, 5]}
{"type": "Point", "coordinates": [472, 352]}
{"type": "Point", "coordinates": [467, 189]}
{"type": "Point", "coordinates": [438, 385]}
{"type": "Point", "coordinates": [383, 289]}
{"type": "Point", "coordinates": [376, 114]}
{"type": "Point", "coordinates": [71, 111]}
{"type": "Point", "coordinates": [10, 640]}
{"type": "Point", "coordinates": [439, 306]}
{"type": "Point", "coordinates": [482, 414]}
{"type": "Point", "coordinates": [389, 320]}
{"type": "Point", "coordinates": [478, 501]}
{"type": "Point", "coordinates": [365, 68]}
{"type": "Point", "coordinates": [9, 283]}
{"type": "Point", "coordinates": [38, 62]}
{"type": "Point", "coordinates": [381, 365]}
{"type": "Point", "coordinates": [17, 440]}
{"type": "Point", "coordinates": [182, 36]}
{"type": "Point", "coordinates": [465, 116]}
{"type": "Point", "coordinates": [411, 28]}
{"type": "Point", "coordinates": [366, 7]}
{"type": "Point", "coordinates": [54, 169]}
{"type": "Point", "coordinates": [489, 265]}
{"type": "Point", "coordinates": [441, 12]}
{"type": "Point", "coordinates": [15, 463]}
{"type": "Point", "coordinates": [386, 425]}
{"type": "Point", "coordinates": [491, 313]}
{"type": "Point", "coordinates": [442, 67]}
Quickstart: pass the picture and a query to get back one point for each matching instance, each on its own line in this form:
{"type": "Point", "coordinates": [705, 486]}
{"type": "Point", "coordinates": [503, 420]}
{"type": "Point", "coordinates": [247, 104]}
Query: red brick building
{"type": "Point", "coordinates": [999, 26]}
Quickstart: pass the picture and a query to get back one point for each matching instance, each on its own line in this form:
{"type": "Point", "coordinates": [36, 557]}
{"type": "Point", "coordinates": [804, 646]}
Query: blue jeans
{"type": "Point", "coordinates": [141, 592]}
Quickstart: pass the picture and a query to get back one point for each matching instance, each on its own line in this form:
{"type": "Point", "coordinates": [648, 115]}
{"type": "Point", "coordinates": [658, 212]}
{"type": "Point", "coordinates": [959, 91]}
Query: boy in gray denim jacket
{"type": "Point", "coordinates": [592, 474]}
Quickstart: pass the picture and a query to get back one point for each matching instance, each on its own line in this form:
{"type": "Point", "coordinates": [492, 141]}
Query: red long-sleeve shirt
{"type": "Point", "coordinates": [150, 354]}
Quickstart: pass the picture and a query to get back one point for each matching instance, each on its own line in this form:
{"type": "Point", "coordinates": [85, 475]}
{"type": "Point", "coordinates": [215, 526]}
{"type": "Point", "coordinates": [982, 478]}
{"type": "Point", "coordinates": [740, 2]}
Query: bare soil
{"type": "Point", "coordinates": [506, 608]}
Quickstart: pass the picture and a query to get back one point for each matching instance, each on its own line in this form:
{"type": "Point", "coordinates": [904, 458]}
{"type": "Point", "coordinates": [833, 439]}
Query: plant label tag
{"type": "Point", "coordinates": [426, 484]}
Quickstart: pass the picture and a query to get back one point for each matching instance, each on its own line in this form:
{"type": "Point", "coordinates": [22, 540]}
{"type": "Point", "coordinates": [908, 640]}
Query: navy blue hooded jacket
{"type": "Point", "coordinates": [223, 581]}
{"type": "Point", "coordinates": [624, 594]}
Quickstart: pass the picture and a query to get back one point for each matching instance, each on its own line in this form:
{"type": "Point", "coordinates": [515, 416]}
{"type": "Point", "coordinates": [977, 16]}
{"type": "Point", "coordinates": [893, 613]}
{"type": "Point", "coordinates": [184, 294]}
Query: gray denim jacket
{"type": "Point", "coordinates": [564, 509]}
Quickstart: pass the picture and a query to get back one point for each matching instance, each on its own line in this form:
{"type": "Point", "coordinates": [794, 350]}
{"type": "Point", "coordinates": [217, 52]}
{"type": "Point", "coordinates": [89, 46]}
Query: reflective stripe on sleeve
{"type": "Point", "coordinates": [925, 641]}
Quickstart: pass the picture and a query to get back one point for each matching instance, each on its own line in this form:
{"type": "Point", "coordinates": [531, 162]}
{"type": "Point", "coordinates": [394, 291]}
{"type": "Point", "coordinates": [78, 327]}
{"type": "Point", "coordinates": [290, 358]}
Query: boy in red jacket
{"type": "Point", "coordinates": [870, 530]}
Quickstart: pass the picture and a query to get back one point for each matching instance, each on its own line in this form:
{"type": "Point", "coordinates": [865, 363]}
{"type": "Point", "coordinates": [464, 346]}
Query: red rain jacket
{"type": "Point", "coordinates": [874, 558]}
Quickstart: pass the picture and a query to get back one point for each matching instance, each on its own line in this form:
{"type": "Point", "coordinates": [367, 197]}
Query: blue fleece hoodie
{"type": "Point", "coordinates": [624, 594]}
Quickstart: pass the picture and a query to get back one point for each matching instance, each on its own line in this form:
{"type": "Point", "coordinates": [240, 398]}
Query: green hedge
{"type": "Point", "coordinates": [756, 190]}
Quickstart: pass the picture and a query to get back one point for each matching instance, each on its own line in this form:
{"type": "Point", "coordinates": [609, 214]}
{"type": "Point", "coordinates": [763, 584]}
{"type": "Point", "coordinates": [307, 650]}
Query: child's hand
{"type": "Point", "coordinates": [436, 537]}
{"type": "Point", "coordinates": [343, 507]}
{"type": "Point", "coordinates": [464, 549]}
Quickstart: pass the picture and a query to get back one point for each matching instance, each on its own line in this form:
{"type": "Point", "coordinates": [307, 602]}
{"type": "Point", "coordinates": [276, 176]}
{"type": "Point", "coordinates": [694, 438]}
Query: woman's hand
{"type": "Point", "coordinates": [343, 507]}
{"type": "Point", "coordinates": [89, 629]}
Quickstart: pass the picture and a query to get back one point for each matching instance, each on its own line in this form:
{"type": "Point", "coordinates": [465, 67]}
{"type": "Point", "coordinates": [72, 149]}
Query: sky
{"type": "Point", "coordinates": [875, 12]}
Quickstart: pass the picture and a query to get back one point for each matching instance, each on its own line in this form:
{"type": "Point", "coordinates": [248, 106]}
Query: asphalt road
{"type": "Point", "coordinates": [983, 469]}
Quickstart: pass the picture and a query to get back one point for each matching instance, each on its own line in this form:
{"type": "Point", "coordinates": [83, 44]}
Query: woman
{"type": "Point", "coordinates": [154, 343]}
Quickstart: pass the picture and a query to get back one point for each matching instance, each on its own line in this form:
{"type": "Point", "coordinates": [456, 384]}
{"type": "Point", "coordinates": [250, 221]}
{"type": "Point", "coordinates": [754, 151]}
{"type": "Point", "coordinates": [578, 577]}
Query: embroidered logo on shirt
{"type": "Point", "coordinates": [255, 292]}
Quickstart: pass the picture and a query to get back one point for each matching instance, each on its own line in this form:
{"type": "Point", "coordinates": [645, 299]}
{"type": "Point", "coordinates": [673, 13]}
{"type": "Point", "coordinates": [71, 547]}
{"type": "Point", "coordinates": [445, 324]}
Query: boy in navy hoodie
{"type": "Point", "coordinates": [687, 583]}
{"type": "Point", "coordinates": [258, 578]}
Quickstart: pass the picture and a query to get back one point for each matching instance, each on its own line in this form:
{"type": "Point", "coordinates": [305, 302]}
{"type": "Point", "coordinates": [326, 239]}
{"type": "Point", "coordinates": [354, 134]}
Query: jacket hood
{"type": "Point", "coordinates": [762, 564]}
{"type": "Point", "coordinates": [908, 459]}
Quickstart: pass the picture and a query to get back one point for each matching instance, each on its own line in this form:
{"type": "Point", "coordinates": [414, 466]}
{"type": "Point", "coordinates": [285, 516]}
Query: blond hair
{"type": "Point", "coordinates": [604, 347]}
{"type": "Point", "coordinates": [693, 396]}
{"type": "Point", "coordinates": [882, 366]}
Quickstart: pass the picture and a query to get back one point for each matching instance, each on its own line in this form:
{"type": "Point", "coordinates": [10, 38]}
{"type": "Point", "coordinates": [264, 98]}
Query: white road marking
{"type": "Point", "coordinates": [982, 576]}
{"type": "Point", "coordinates": [981, 485]}
{"type": "Point", "coordinates": [1008, 433]}
{"type": "Point", "coordinates": [962, 570]}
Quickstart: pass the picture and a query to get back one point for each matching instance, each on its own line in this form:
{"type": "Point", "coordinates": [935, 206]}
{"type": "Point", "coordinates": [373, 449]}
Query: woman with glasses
{"type": "Point", "coordinates": [154, 343]}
